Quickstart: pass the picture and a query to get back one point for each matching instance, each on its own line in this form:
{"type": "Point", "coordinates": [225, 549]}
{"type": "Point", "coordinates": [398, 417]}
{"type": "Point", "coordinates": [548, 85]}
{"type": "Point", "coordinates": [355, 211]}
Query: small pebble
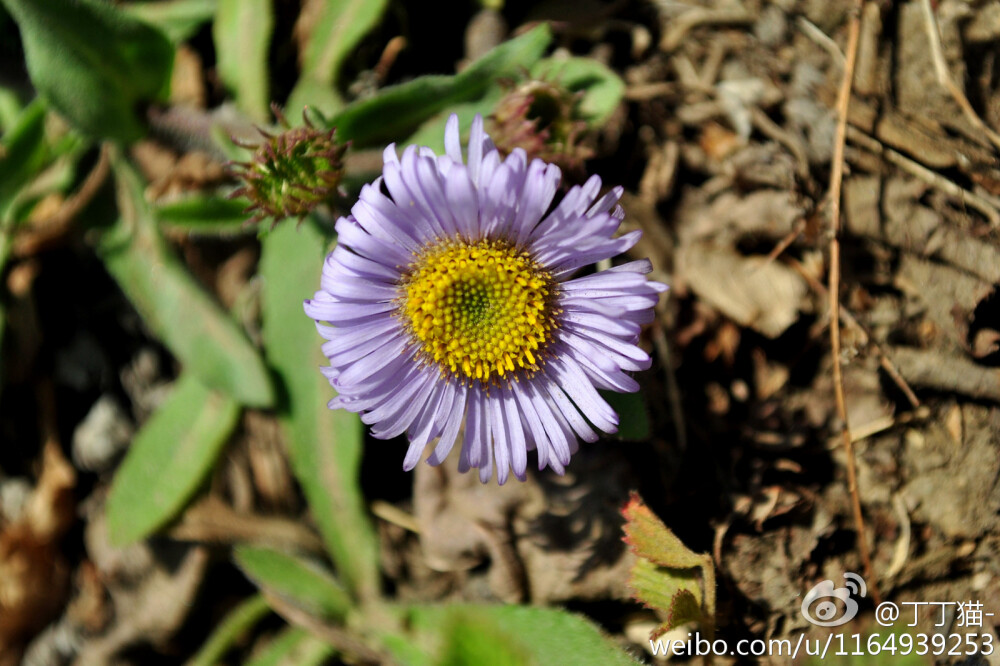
{"type": "Point", "coordinates": [101, 436]}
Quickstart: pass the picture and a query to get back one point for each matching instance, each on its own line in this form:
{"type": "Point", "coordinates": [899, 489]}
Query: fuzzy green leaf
{"type": "Point", "coordinates": [189, 322]}
{"type": "Point", "coordinates": [22, 151]}
{"type": "Point", "coordinates": [601, 88]}
{"type": "Point", "coordinates": [664, 574]}
{"type": "Point", "coordinates": [96, 64]}
{"type": "Point", "coordinates": [459, 634]}
{"type": "Point", "coordinates": [656, 587]}
{"type": "Point", "coordinates": [431, 133]}
{"type": "Point", "coordinates": [395, 112]}
{"type": "Point", "coordinates": [304, 583]}
{"type": "Point", "coordinates": [178, 19]}
{"type": "Point", "coordinates": [324, 446]}
{"type": "Point", "coordinates": [234, 627]}
{"type": "Point", "coordinates": [205, 215]}
{"type": "Point", "coordinates": [651, 540]}
{"type": "Point", "coordinates": [292, 647]}
{"type": "Point", "coordinates": [242, 32]}
{"type": "Point", "coordinates": [684, 608]}
{"type": "Point", "coordinates": [169, 459]}
{"type": "Point", "coordinates": [336, 31]}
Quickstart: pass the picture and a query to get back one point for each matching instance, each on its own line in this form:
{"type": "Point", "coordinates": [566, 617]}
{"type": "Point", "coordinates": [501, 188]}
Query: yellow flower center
{"type": "Point", "coordinates": [480, 310]}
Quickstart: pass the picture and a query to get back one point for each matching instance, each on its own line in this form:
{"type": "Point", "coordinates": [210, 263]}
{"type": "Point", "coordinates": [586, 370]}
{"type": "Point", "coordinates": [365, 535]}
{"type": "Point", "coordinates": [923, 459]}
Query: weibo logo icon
{"type": "Point", "coordinates": [825, 611]}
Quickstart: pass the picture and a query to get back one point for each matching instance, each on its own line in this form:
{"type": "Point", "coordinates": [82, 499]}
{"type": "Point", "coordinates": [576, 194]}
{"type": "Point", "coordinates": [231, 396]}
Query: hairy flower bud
{"type": "Point", "coordinates": [290, 173]}
{"type": "Point", "coordinates": [540, 118]}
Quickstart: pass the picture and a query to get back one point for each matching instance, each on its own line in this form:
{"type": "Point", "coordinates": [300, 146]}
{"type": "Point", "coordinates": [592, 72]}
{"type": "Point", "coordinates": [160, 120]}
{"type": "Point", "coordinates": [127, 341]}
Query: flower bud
{"type": "Point", "coordinates": [540, 117]}
{"type": "Point", "coordinates": [290, 173]}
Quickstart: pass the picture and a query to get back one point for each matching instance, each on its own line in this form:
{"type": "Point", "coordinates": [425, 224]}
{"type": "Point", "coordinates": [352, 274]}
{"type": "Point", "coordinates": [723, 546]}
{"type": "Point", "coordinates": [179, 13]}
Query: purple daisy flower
{"type": "Point", "coordinates": [453, 297]}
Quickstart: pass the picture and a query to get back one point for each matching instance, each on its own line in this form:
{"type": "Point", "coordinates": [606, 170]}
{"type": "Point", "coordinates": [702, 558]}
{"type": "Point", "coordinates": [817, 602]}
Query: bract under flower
{"type": "Point", "coordinates": [451, 299]}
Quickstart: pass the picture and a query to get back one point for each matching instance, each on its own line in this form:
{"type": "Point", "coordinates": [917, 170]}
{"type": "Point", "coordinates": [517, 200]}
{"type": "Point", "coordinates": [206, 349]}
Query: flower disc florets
{"type": "Point", "coordinates": [451, 299]}
{"type": "Point", "coordinates": [481, 311]}
{"type": "Point", "coordinates": [291, 173]}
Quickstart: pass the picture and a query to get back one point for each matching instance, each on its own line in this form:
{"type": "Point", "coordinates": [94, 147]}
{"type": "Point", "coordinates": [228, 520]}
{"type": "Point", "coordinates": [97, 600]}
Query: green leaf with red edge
{"type": "Point", "coordinates": [667, 576]}
{"type": "Point", "coordinates": [650, 538]}
{"type": "Point", "coordinates": [656, 590]}
{"type": "Point", "coordinates": [684, 608]}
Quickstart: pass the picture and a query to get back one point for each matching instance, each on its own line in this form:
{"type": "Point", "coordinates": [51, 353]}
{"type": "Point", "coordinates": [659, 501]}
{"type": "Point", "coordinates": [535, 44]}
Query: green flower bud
{"type": "Point", "coordinates": [290, 173]}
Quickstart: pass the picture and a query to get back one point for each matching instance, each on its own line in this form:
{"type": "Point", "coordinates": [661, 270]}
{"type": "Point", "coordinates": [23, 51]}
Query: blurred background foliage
{"type": "Point", "coordinates": [87, 87]}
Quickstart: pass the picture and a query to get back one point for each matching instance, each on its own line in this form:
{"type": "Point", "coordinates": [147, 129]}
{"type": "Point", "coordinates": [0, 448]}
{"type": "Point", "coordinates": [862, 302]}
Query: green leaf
{"type": "Point", "coordinates": [684, 608]}
{"type": "Point", "coordinates": [292, 647]}
{"type": "Point", "coordinates": [169, 458]}
{"type": "Point", "coordinates": [178, 311]}
{"type": "Point", "coordinates": [656, 586]}
{"type": "Point", "coordinates": [431, 133]}
{"type": "Point", "coordinates": [242, 32]}
{"type": "Point", "coordinates": [602, 89]}
{"type": "Point", "coordinates": [395, 112]}
{"type": "Point", "coordinates": [459, 634]}
{"type": "Point", "coordinates": [22, 152]}
{"type": "Point", "coordinates": [334, 33]}
{"type": "Point", "coordinates": [305, 584]}
{"type": "Point", "coordinates": [324, 446]}
{"type": "Point", "coordinates": [651, 540]}
{"type": "Point", "coordinates": [234, 627]}
{"type": "Point", "coordinates": [664, 574]}
{"type": "Point", "coordinates": [633, 415]}
{"type": "Point", "coordinates": [10, 104]}
{"type": "Point", "coordinates": [178, 19]}
{"type": "Point", "coordinates": [96, 65]}
{"type": "Point", "coordinates": [199, 214]}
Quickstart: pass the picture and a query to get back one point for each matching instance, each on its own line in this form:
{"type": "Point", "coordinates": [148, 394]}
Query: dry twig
{"type": "Point", "coordinates": [679, 26]}
{"type": "Point", "coordinates": [46, 233]}
{"type": "Point", "coordinates": [923, 173]}
{"type": "Point", "coordinates": [848, 320]}
{"type": "Point", "coordinates": [944, 78]}
{"type": "Point", "coordinates": [338, 637]}
{"type": "Point", "coordinates": [836, 181]}
{"type": "Point", "coordinates": [810, 30]}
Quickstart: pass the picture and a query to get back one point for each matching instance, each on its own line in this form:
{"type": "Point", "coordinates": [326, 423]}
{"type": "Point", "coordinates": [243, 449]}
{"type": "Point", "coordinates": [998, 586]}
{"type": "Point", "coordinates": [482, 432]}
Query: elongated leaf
{"type": "Point", "coordinates": [178, 19]}
{"type": "Point", "coordinates": [95, 64]}
{"type": "Point", "coordinates": [459, 634]}
{"type": "Point", "coordinates": [22, 151]}
{"type": "Point", "coordinates": [206, 339]}
{"type": "Point", "coordinates": [205, 215]}
{"type": "Point", "coordinates": [242, 32]}
{"type": "Point", "coordinates": [10, 104]}
{"type": "Point", "coordinates": [602, 89]}
{"type": "Point", "coordinates": [237, 624]}
{"type": "Point", "coordinates": [395, 112]}
{"type": "Point", "coordinates": [169, 459]}
{"type": "Point", "coordinates": [304, 583]}
{"type": "Point", "coordinates": [431, 133]}
{"type": "Point", "coordinates": [324, 445]}
{"type": "Point", "coordinates": [292, 647]}
{"type": "Point", "coordinates": [338, 28]}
